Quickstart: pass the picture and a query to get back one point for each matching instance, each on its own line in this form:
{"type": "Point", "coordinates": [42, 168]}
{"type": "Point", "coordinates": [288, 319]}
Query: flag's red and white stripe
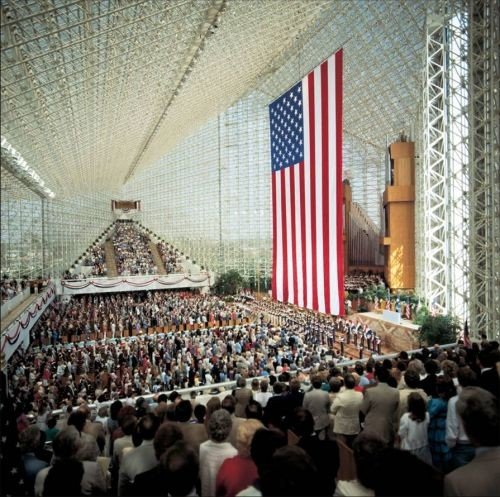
{"type": "Point", "coordinates": [307, 202]}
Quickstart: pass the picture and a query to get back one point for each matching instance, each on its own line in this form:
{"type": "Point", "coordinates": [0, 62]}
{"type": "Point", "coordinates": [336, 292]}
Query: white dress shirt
{"type": "Point", "coordinates": [138, 460]}
{"type": "Point", "coordinates": [455, 432]}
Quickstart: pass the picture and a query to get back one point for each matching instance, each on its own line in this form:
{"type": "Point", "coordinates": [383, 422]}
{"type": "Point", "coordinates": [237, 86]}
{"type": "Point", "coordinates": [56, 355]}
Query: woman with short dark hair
{"type": "Point", "coordinates": [438, 408]}
{"type": "Point", "coordinates": [413, 427]}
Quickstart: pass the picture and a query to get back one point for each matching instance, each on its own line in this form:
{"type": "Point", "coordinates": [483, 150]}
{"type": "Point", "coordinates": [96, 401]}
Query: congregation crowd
{"type": "Point", "coordinates": [132, 251]}
{"type": "Point", "coordinates": [171, 257]}
{"type": "Point", "coordinates": [96, 258]}
{"type": "Point", "coordinates": [132, 254]}
{"type": "Point", "coordinates": [151, 363]}
{"type": "Point", "coordinates": [356, 282]}
{"type": "Point", "coordinates": [128, 313]}
{"type": "Point", "coordinates": [430, 418]}
{"type": "Point", "coordinates": [11, 287]}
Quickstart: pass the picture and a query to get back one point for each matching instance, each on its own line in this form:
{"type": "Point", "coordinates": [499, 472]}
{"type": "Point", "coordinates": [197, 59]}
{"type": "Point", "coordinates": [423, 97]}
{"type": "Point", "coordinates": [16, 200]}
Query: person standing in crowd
{"type": "Point", "coordinates": [66, 447]}
{"type": "Point", "coordinates": [154, 481]}
{"type": "Point", "coordinates": [142, 457]}
{"type": "Point", "coordinates": [265, 443]}
{"type": "Point", "coordinates": [317, 402]}
{"type": "Point", "coordinates": [89, 450]}
{"type": "Point", "coordinates": [194, 434]}
{"type": "Point", "coordinates": [346, 408]}
{"type": "Point", "coordinates": [413, 427]}
{"type": "Point", "coordinates": [379, 407]}
{"type": "Point", "coordinates": [438, 408]}
{"type": "Point", "coordinates": [428, 384]}
{"type": "Point", "coordinates": [122, 444]}
{"type": "Point", "coordinates": [478, 410]}
{"type": "Point", "coordinates": [181, 467]}
{"type": "Point", "coordinates": [263, 396]}
{"type": "Point", "coordinates": [64, 478]}
{"type": "Point", "coordinates": [243, 395]}
{"type": "Point", "coordinates": [52, 429]}
{"type": "Point", "coordinates": [277, 408]}
{"type": "Point", "coordinates": [215, 450]}
{"type": "Point", "coordinates": [489, 360]}
{"type": "Point", "coordinates": [229, 404]}
{"type": "Point", "coordinates": [291, 472]}
{"type": "Point", "coordinates": [29, 441]}
{"type": "Point", "coordinates": [238, 472]}
{"type": "Point", "coordinates": [410, 385]}
{"type": "Point", "coordinates": [294, 397]}
{"type": "Point", "coordinates": [324, 453]}
{"type": "Point", "coordinates": [462, 451]}
{"type": "Point", "coordinates": [366, 448]}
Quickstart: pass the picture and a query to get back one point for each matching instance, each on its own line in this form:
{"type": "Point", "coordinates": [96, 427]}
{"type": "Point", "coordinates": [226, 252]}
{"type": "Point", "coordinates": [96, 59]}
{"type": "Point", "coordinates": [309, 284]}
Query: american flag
{"type": "Point", "coordinates": [306, 157]}
{"type": "Point", "coordinates": [408, 309]}
{"type": "Point", "coordinates": [466, 337]}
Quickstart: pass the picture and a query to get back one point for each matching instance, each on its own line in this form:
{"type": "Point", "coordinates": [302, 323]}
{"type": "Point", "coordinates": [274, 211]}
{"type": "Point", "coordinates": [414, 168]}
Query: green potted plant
{"type": "Point", "coordinates": [437, 329]}
{"type": "Point", "coordinates": [229, 283]}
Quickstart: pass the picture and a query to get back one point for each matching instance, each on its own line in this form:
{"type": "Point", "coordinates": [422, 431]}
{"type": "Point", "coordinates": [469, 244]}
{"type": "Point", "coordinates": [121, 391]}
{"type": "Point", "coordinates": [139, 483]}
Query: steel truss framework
{"type": "Point", "coordinates": [484, 111]}
{"type": "Point", "coordinates": [459, 182]}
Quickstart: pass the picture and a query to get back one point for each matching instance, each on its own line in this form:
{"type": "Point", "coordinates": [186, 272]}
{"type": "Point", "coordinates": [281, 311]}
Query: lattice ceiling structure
{"type": "Point", "coordinates": [12, 188]}
{"type": "Point", "coordinates": [94, 91]}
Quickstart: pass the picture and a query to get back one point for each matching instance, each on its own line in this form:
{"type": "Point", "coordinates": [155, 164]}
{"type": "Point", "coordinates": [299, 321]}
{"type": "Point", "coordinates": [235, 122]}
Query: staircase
{"type": "Point", "coordinates": [157, 258]}
{"type": "Point", "coordinates": [109, 252]}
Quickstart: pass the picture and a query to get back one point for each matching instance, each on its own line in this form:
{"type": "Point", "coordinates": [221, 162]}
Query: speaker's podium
{"type": "Point", "coordinates": [392, 316]}
{"type": "Point", "coordinates": [399, 205]}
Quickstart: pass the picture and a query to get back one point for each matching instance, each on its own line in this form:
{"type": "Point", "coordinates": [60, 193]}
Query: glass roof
{"type": "Point", "coordinates": [95, 91]}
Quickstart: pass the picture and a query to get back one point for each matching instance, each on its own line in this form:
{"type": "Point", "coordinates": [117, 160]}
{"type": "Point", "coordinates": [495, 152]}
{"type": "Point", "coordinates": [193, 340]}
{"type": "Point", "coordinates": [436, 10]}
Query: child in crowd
{"type": "Point", "coordinates": [413, 427]}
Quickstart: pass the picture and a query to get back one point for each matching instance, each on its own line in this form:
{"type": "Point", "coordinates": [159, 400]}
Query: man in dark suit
{"type": "Point", "coordinates": [478, 410]}
{"type": "Point", "coordinates": [294, 397]}
{"type": "Point", "coordinates": [276, 408]}
{"type": "Point", "coordinates": [324, 453]}
{"type": "Point", "coordinates": [489, 378]}
{"type": "Point", "coordinates": [428, 384]}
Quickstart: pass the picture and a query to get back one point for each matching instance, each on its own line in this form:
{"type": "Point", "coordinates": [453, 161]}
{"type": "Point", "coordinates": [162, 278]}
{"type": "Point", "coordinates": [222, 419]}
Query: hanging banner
{"type": "Point", "coordinates": [18, 333]}
{"type": "Point", "coordinates": [133, 283]}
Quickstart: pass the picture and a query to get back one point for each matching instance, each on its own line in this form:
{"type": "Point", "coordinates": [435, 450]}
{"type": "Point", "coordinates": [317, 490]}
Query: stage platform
{"type": "Point", "coordinates": [395, 337]}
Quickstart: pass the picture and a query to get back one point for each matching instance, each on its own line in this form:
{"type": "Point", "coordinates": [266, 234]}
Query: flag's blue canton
{"type": "Point", "coordinates": [287, 129]}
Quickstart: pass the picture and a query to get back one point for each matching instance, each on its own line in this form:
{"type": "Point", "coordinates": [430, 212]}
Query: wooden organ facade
{"type": "Point", "coordinates": [361, 238]}
{"type": "Point", "coordinates": [399, 206]}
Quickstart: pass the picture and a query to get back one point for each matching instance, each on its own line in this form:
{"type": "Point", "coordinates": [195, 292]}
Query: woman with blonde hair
{"type": "Point", "coordinates": [239, 472]}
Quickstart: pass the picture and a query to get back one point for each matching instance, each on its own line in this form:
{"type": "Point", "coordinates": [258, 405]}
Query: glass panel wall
{"type": "Point", "coordinates": [72, 225]}
{"type": "Point", "coordinates": [21, 229]}
{"type": "Point", "coordinates": [211, 197]}
{"type": "Point", "coordinates": [42, 237]}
